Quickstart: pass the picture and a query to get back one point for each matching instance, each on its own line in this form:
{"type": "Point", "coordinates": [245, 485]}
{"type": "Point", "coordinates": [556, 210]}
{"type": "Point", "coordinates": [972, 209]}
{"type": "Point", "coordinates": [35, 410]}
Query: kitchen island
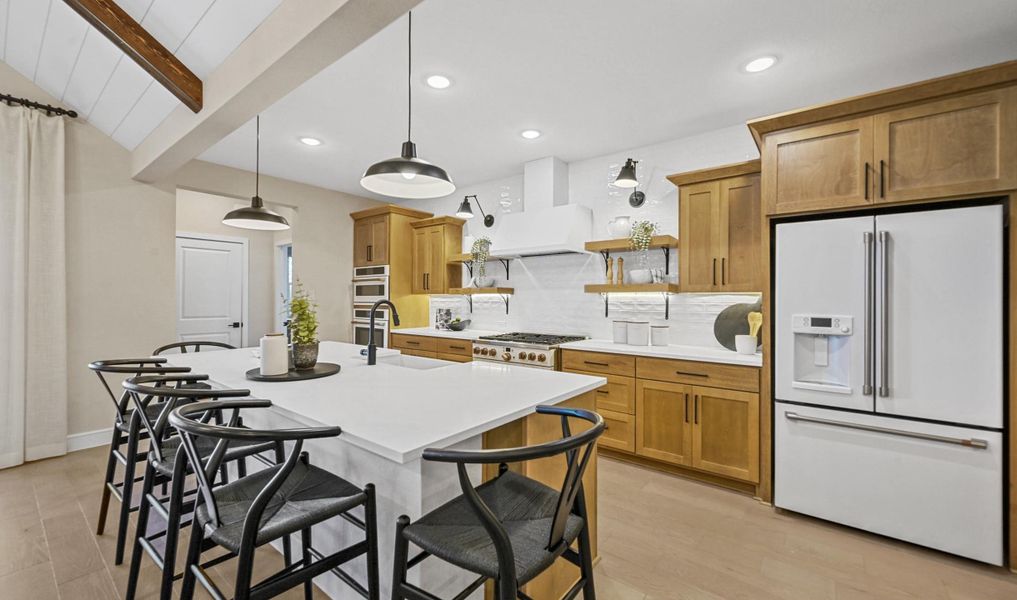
{"type": "Point", "coordinates": [391, 412]}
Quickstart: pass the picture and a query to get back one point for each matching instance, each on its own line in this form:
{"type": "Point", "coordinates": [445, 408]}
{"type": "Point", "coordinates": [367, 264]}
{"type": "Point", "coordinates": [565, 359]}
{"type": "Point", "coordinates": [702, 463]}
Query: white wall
{"type": "Point", "coordinates": [549, 293]}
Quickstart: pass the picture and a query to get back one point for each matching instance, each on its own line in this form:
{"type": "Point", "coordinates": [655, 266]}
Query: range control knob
{"type": "Point", "coordinates": [542, 358]}
{"type": "Point", "coordinates": [506, 356]}
{"type": "Point", "coordinates": [531, 356]}
{"type": "Point", "coordinates": [522, 356]}
{"type": "Point", "coordinates": [476, 350]}
{"type": "Point", "coordinates": [484, 351]}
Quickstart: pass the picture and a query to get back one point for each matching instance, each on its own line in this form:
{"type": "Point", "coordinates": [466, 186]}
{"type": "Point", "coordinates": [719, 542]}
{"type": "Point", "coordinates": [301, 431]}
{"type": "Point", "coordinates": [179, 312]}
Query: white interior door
{"type": "Point", "coordinates": [943, 316]}
{"type": "Point", "coordinates": [210, 290]}
{"type": "Point", "coordinates": [821, 269]}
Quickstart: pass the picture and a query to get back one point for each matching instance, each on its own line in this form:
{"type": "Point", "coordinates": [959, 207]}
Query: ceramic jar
{"type": "Point", "coordinates": [619, 227]}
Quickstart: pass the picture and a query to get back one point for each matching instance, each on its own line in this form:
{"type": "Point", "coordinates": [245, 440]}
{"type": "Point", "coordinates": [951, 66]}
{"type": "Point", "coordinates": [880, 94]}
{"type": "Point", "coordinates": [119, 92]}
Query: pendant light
{"type": "Point", "coordinates": [627, 176]}
{"type": "Point", "coordinates": [407, 176]}
{"type": "Point", "coordinates": [466, 211]}
{"type": "Point", "coordinates": [256, 216]}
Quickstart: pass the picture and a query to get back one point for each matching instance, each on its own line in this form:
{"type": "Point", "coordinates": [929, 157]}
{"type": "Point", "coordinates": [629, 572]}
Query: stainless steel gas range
{"type": "Point", "coordinates": [536, 350]}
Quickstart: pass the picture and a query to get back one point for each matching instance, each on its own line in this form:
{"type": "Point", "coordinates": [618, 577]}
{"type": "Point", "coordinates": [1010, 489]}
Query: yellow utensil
{"type": "Point", "coordinates": [755, 322]}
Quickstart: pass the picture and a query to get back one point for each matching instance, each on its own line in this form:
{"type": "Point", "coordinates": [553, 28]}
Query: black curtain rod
{"type": "Point", "coordinates": [50, 110]}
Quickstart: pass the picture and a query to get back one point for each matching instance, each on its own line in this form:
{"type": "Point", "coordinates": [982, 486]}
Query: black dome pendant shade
{"type": "Point", "coordinates": [256, 216]}
{"type": "Point", "coordinates": [407, 176]}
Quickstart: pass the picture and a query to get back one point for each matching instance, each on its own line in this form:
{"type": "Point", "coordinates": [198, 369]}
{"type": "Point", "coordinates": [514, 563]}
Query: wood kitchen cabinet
{"type": "Point", "coordinates": [663, 421]}
{"type": "Point", "coordinates": [370, 241]}
{"type": "Point", "coordinates": [719, 222]}
{"type": "Point", "coordinates": [434, 242]}
{"type": "Point", "coordinates": [725, 432]}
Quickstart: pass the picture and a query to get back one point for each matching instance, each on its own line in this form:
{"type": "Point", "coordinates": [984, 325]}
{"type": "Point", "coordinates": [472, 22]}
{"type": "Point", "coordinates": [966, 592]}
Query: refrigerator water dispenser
{"type": "Point", "coordinates": [822, 353]}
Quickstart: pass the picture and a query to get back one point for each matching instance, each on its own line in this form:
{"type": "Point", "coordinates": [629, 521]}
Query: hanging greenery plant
{"type": "Point", "coordinates": [303, 316]}
{"type": "Point", "coordinates": [640, 238]}
{"type": "Point", "coordinates": [480, 251]}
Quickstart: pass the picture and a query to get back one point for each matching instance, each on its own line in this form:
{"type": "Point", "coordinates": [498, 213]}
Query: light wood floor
{"type": "Point", "coordinates": [660, 538]}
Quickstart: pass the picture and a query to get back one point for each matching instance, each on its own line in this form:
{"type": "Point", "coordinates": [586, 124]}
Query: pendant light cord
{"type": "Point", "coordinates": [257, 154]}
{"type": "Point", "coordinates": [409, 75]}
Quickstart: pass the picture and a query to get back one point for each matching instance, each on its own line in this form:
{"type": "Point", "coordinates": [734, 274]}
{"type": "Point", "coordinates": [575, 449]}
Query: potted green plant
{"type": "Point", "coordinates": [640, 238]}
{"type": "Point", "coordinates": [479, 253]}
{"type": "Point", "coordinates": [303, 328]}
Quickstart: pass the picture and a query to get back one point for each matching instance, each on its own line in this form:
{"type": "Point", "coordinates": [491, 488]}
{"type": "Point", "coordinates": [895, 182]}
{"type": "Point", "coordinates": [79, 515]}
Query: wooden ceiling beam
{"type": "Point", "coordinates": [128, 35]}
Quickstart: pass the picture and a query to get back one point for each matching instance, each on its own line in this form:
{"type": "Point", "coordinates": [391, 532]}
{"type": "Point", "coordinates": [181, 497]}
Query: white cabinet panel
{"type": "Point", "coordinates": [936, 494]}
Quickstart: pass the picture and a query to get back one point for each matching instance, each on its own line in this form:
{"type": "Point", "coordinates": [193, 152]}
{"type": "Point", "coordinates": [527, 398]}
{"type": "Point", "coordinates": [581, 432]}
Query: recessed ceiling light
{"type": "Point", "coordinates": [760, 64]}
{"type": "Point", "coordinates": [310, 141]}
{"type": "Point", "coordinates": [530, 134]}
{"type": "Point", "coordinates": [439, 82]}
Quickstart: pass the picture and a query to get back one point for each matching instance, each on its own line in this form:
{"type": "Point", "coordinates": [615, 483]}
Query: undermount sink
{"type": "Point", "coordinates": [412, 362]}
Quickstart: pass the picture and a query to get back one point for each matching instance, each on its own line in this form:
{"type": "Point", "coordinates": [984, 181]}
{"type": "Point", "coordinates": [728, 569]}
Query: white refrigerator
{"type": "Point", "coordinates": [889, 375]}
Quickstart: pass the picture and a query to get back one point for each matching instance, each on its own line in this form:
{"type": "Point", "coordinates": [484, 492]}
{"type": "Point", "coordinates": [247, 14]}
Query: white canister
{"type": "Point", "coordinates": [274, 354]}
{"type": "Point", "coordinates": [638, 333]}
{"type": "Point", "coordinates": [746, 344]}
{"type": "Point", "coordinates": [659, 335]}
{"type": "Point", "coordinates": [621, 332]}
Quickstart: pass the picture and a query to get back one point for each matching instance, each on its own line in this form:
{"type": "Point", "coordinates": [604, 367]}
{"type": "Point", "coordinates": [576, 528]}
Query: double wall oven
{"type": "Point", "coordinates": [370, 284]}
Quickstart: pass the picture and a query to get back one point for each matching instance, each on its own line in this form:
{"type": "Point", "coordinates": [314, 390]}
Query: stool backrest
{"type": "Point", "coordinates": [151, 365]}
{"type": "Point", "coordinates": [194, 421]}
{"type": "Point", "coordinates": [169, 390]}
{"type": "Point", "coordinates": [577, 450]}
{"type": "Point", "coordinates": [195, 345]}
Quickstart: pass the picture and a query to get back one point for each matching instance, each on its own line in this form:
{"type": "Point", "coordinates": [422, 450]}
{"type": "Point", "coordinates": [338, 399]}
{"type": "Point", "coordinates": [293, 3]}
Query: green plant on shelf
{"type": "Point", "coordinates": [640, 238]}
{"type": "Point", "coordinates": [479, 253]}
{"type": "Point", "coordinates": [303, 316]}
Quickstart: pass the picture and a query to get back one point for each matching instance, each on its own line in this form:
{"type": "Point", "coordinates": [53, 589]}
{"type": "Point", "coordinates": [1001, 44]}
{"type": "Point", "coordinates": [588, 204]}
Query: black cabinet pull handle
{"type": "Point", "coordinates": [411, 343]}
{"type": "Point", "coordinates": [696, 420]}
{"type": "Point", "coordinates": [723, 271]}
{"type": "Point", "coordinates": [605, 392]}
{"type": "Point", "coordinates": [691, 374]}
{"type": "Point", "coordinates": [686, 408]}
{"type": "Point", "coordinates": [370, 254]}
{"type": "Point", "coordinates": [866, 180]}
{"type": "Point", "coordinates": [715, 271]}
{"type": "Point", "coordinates": [882, 180]}
{"type": "Point", "coordinates": [596, 364]}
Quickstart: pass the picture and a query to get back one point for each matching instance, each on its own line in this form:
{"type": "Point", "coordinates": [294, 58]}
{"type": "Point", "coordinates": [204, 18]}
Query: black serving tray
{"type": "Point", "coordinates": [322, 369]}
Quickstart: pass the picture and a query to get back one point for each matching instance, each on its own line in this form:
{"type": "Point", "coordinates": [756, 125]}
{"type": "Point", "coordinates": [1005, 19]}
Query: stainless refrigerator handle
{"type": "Point", "coordinates": [969, 442]}
{"type": "Point", "coordinates": [884, 329]}
{"type": "Point", "coordinates": [869, 300]}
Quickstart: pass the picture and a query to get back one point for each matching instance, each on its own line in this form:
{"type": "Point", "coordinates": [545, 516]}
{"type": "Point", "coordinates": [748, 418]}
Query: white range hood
{"type": "Point", "coordinates": [548, 224]}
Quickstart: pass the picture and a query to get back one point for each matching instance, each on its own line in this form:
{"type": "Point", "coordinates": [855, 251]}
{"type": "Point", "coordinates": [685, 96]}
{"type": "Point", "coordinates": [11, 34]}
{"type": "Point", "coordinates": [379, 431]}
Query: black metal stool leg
{"type": "Point", "coordinates": [128, 490]}
{"type": "Point", "coordinates": [371, 523]}
{"type": "Point", "coordinates": [111, 469]}
{"type": "Point", "coordinates": [400, 558]}
{"type": "Point", "coordinates": [193, 556]}
{"type": "Point", "coordinates": [305, 544]}
{"type": "Point", "coordinates": [140, 531]}
{"type": "Point", "coordinates": [176, 501]}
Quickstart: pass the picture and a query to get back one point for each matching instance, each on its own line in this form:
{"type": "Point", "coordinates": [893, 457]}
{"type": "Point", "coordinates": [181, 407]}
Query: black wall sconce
{"type": "Point", "coordinates": [466, 211]}
{"type": "Point", "coordinates": [627, 179]}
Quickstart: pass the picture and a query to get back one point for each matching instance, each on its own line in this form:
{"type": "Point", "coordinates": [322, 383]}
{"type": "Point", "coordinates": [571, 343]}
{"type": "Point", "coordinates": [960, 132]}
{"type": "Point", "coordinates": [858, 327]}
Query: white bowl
{"type": "Point", "coordinates": [638, 276]}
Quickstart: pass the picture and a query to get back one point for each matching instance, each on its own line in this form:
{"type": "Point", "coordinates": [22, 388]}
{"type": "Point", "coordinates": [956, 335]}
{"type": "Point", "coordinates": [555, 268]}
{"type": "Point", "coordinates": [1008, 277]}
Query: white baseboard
{"type": "Point", "coordinates": [89, 439]}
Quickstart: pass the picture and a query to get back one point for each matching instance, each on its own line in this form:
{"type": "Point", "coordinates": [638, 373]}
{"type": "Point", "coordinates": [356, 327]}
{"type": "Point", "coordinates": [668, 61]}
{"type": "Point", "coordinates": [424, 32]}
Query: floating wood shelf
{"type": "Point", "coordinates": [623, 245]}
{"type": "Point", "coordinates": [631, 288]}
{"type": "Point", "coordinates": [634, 288]}
{"type": "Point", "coordinates": [504, 292]}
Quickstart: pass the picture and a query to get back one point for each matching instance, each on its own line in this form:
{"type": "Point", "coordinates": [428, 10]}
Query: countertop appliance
{"type": "Point", "coordinates": [889, 375]}
{"type": "Point", "coordinates": [538, 350]}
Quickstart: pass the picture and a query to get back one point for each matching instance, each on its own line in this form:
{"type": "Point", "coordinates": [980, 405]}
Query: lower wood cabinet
{"type": "Point", "coordinates": [663, 423]}
{"type": "Point", "coordinates": [725, 433]}
{"type": "Point", "coordinates": [454, 350]}
{"type": "Point", "coordinates": [619, 431]}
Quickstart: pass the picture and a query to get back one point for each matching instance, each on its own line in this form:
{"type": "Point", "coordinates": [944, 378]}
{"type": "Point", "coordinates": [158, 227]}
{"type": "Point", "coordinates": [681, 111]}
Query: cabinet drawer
{"type": "Point", "coordinates": [413, 342]}
{"type": "Point", "coordinates": [618, 395]}
{"type": "Point", "coordinates": [619, 431]}
{"type": "Point", "coordinates": [729, 377]}
{"type": "Point", "coordinates": [598, 362]}
{"type": "Point", "coordinates": [447, 346]}
{"type": "Point", "coordinates": [454, 357]}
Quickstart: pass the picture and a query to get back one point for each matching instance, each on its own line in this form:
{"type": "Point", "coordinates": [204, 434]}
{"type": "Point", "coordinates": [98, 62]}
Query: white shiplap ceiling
{"type": "Point", "coordinates": [600, 76]}
{"type": "Point", "coordinates": [49, 43]}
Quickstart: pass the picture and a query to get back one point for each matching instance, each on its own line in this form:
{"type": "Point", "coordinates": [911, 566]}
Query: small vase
{"type": "Point", "coordinates": [619, 227]}
{"type": "Point", "coordinates": [305, 356]}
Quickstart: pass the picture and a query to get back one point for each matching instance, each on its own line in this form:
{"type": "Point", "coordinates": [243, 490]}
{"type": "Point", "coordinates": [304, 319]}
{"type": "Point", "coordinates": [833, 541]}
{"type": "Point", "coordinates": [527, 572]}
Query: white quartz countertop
{"type": "Point", "coordinates": [393, 410]}
{"type": "Point", "coordinates": [699, 353]}
{"type": "Point", "coordinates": [468, 334]}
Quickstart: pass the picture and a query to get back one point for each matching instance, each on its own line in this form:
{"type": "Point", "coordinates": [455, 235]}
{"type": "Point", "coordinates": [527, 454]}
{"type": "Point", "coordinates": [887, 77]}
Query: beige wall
{"type": "Point", "coordinates": [120, 252]}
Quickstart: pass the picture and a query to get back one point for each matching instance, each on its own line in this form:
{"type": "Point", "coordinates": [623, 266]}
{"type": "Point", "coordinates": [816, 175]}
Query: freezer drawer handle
{"type": "Point", "coordinates": [969, 442]}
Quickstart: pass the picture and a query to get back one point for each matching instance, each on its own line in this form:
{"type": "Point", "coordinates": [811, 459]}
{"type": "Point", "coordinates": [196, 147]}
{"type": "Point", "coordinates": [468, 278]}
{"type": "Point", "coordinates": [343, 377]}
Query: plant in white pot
{"type": "Point", "coordinates": [303, 328]}
{"type": "Point", "coordinates": [640, 238]}
{"type": "Point", "coordinates": [479, 254]}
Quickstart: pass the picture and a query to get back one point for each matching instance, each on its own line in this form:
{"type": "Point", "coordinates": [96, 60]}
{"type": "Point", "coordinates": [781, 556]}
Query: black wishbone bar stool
{"type": "Point", "coordinates": [127, 435]}
{"type": "Point", "coordinates": [193, 345]}
{"type": "Point", "coordinates": [268, 505]}
{"type": "Point", "coordinates": [167, 464]}
{"type": "Point", "coordinates": [509, 529]}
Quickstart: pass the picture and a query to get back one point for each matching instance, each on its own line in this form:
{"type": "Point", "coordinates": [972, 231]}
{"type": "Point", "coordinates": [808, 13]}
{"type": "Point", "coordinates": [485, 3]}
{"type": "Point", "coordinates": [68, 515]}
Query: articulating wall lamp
{"type": "Point", "coordinates": [466, 211]}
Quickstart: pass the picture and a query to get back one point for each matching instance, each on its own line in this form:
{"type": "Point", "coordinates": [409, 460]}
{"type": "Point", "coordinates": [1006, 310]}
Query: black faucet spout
{"type": "Point", "coordinates": [372, 348]}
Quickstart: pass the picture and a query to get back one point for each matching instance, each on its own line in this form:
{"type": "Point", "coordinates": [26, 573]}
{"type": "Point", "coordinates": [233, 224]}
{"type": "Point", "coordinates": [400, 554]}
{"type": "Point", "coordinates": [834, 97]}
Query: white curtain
{"type": "Point", "coordinates": [33, 313]}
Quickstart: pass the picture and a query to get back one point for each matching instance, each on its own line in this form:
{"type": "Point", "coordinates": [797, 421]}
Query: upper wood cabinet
{"type": "Point", "coordinates": [370, 241]}
{"type": "Point", "coordinates": [719, 223]}
{"type": "Point", "coordinates": [434, 242]}
{"type": "Point", "coordinates": [725, 432]}
{"type": "Point", "coordinates": [957, 146]}
{"type": "Point", "coordinates": [819, 167]}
